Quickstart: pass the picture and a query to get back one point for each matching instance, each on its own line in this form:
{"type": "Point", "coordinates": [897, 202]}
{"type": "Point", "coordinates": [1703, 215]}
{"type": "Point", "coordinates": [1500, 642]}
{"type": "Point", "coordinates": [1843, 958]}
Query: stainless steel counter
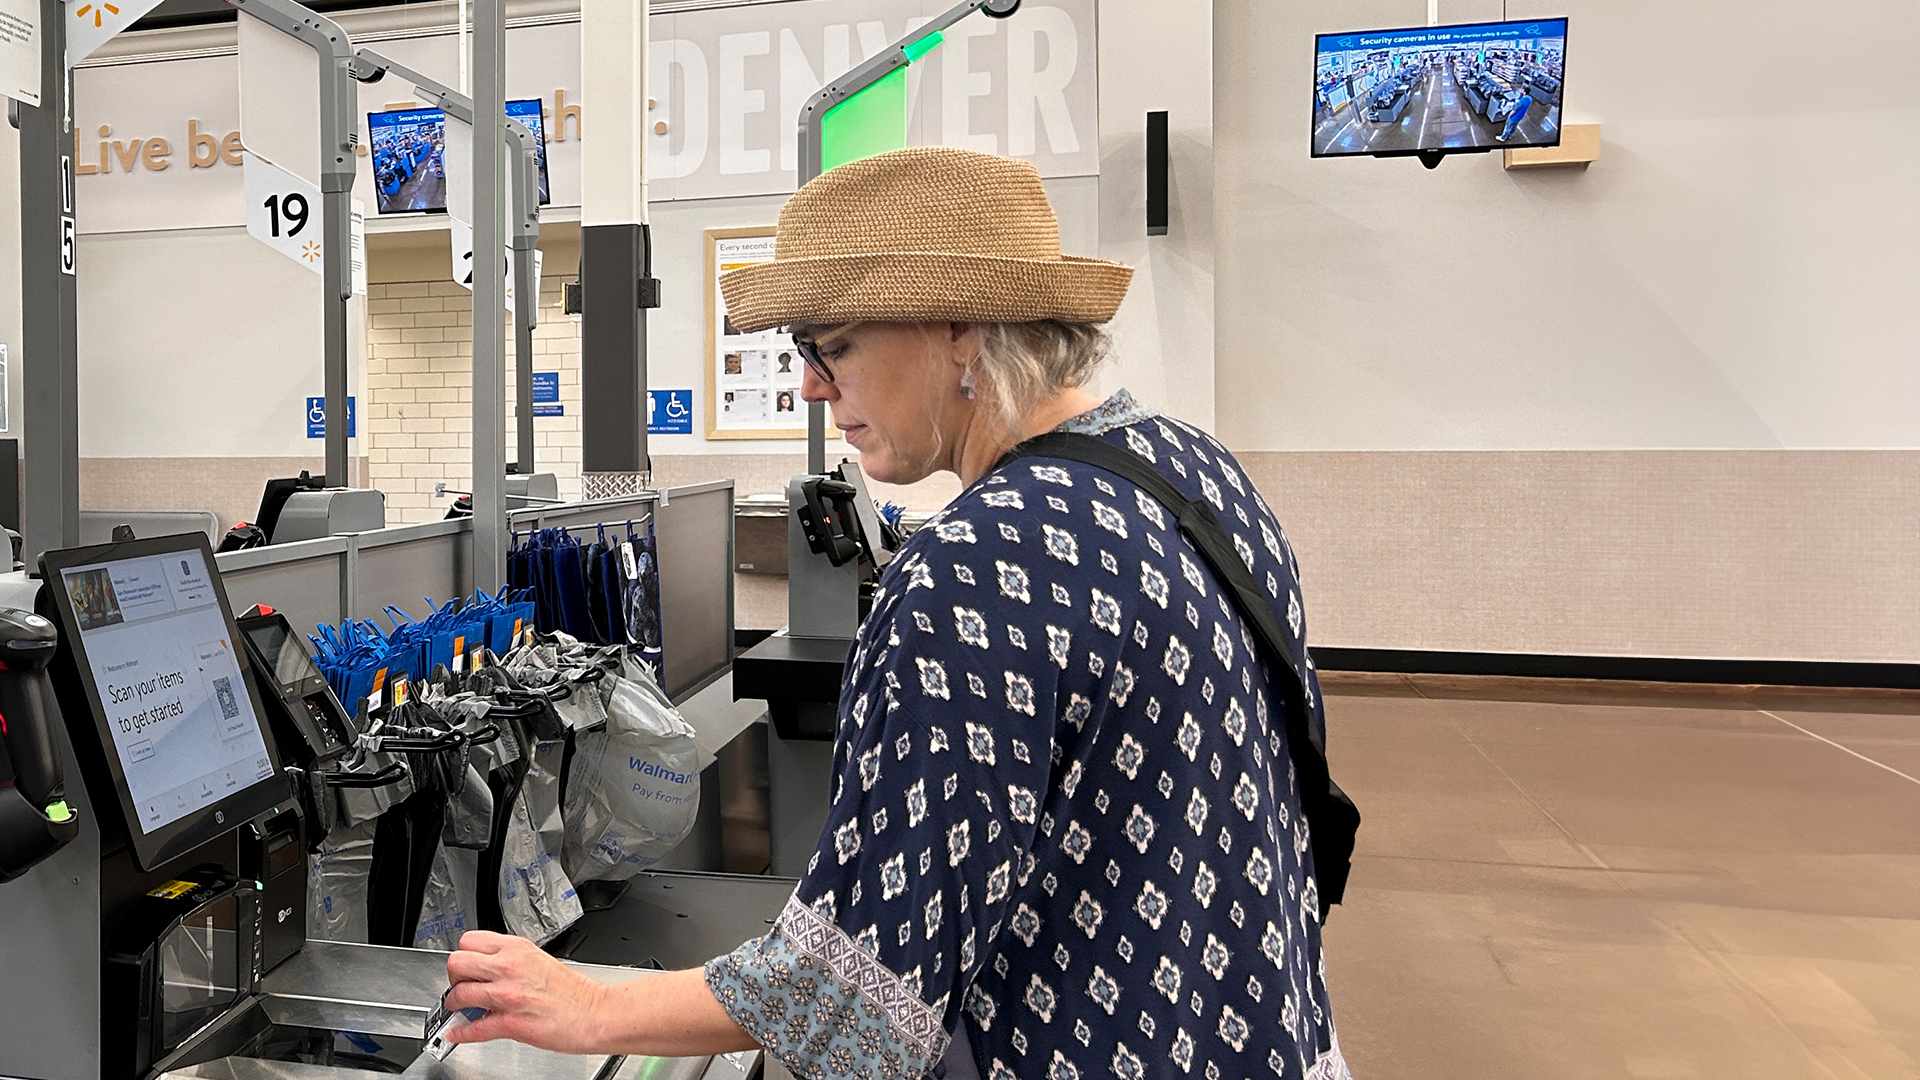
{"type": "Point", "coordinates": [380, 992]}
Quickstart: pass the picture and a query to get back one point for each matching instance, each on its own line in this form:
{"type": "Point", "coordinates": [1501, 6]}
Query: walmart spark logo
{"type": "Point", "coordinates": [100, 13]}
{"type": "Point", "coordinates": [310, 251]}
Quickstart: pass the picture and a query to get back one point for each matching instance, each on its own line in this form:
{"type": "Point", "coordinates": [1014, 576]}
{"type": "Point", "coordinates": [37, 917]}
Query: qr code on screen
{"type": "Point", "coordinates": [229, 705]}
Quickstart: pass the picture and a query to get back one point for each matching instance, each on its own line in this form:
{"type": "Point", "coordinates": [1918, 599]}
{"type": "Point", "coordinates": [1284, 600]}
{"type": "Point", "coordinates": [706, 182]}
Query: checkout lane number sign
{"type": "Point", "coordinates": [460, 235]}
{"type": "Point", "coordinates": [283, 212]}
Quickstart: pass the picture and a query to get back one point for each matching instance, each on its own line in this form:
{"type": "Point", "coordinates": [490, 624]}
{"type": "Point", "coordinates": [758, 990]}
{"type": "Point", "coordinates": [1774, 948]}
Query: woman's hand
{"type": "Point", "coordinates": [532, 998]}
{"type": "Point", "coordinates": [529, 996]}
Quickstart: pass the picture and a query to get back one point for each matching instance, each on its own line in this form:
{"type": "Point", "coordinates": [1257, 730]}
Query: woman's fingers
{"type": "Point", "coordinates": [528, 995]}
{"type": "Point", "coordinates": [485, 1029]}
{"type": "Point", "coordinates": [471, 967]}
{"type": "Point", "coordinates": [483, 955]}
{"type": "Point", "coordinates": [485, 941]}
{"type": "Point", "coordinates": [471, 995]}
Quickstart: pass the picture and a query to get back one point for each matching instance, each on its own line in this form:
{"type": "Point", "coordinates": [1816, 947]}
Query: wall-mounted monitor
{"type": "Point", "coordinates": [409, 156]}
{"type": "Point", "coordinates": [1464, 88]}
{"type": "Point", "coordinates": [145, 626]}
{"type": "Point", "coordinates": [409, 149]}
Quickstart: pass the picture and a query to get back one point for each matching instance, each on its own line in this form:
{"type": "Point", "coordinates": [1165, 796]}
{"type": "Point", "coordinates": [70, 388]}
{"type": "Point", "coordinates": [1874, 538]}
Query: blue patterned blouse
{"type": "Point", "coordinates": [1064, 838]}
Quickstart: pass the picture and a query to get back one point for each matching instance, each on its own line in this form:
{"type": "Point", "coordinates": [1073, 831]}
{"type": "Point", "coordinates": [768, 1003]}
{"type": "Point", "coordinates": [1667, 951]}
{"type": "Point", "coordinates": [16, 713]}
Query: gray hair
{"type": "Point", "coordinates": [1021, 365]}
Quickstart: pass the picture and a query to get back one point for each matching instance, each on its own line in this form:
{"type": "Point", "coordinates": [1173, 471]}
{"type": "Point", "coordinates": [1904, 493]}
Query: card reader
{"type": "Point", "coordinates": [443, 1020]}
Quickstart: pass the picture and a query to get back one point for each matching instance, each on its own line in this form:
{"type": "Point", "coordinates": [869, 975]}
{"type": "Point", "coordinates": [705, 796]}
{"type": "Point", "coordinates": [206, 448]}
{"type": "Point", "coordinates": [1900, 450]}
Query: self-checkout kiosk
{"type": "Point", "coordinates": [159, 764]}
{"type": "Point", "coordinates": [126, 941]}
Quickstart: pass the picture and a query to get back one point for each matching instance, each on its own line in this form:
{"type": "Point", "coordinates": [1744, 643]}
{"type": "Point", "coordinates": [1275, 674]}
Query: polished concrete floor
{"type": "Point", "coordinates": [1572, 880]}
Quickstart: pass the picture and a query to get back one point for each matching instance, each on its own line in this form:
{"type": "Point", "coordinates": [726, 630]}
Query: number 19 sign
{"type": "Point", "coordinates": [283, 212]}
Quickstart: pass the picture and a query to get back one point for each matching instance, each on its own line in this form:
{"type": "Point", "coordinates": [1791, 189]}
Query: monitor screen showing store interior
{"type": "Point", "coordinates": [1478, 86]}
{"type": "Point", "coordinates": [157, 653]}
{"type": "Point", "coordinates": [409, 156]}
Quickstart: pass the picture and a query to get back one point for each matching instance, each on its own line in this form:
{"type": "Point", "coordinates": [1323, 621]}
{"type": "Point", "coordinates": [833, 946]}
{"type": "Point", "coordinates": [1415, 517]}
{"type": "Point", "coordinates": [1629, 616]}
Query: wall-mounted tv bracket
{"type": "Point", "coordinates": [523, 225]}
{"type": "Point", "coordinates": [1432, 158]}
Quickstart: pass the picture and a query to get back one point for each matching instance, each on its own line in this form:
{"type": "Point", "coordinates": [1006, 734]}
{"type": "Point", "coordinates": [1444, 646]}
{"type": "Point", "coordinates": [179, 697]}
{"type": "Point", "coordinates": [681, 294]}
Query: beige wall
{"type": "Point", "coordinates": [1661, 405]}
{"type": "Point", "coordinates": [1715, 280]}
{"type": "Point", "coordinates": [1163, 335]}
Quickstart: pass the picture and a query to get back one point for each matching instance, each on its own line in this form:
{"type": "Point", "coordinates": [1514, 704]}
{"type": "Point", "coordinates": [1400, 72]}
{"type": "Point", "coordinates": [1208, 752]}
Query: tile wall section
{"type": "Point", "coordinates": [1740, 554]}
{"type": "Point", "coordinates": [419, 411]}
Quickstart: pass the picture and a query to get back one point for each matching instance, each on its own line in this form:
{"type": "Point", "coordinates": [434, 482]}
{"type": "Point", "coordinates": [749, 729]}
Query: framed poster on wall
{"type": "Point", "coordinates": [753, 380]}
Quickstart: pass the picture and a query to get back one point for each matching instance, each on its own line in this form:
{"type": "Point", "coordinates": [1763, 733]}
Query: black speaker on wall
{"type": "Point", "coordinates": [1157, 173]}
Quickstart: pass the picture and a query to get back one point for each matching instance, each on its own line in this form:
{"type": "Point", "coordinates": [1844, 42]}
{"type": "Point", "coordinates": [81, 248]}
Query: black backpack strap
{"type": "Point", "coordinates": [1331, 817]}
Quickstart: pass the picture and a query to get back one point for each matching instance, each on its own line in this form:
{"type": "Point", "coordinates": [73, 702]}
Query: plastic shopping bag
{"type": "Point", "coordinates": [633, 791]}
{"type": "Point", "coordinates": [537, 900]}
{"type": "Point", "coordinates": [451, 899]}
{"type": "Point", "coordinates": [337, 884]}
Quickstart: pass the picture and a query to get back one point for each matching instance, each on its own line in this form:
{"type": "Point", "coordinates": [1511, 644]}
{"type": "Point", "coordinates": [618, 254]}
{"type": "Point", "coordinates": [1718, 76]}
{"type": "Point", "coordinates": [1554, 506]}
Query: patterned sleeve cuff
{"type": "Point", "coordinates": [824, 1006]}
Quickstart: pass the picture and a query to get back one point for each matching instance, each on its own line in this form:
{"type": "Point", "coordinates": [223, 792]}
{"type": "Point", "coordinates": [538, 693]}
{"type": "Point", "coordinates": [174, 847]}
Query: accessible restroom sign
{"type": "Point", "coordinates": [317, 418]}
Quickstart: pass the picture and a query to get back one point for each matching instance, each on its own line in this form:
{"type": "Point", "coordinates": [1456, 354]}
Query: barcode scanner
{"type": "Point", "coordinates": [35, 820]}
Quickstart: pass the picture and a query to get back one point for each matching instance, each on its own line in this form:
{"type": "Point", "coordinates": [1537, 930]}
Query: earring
{"type": "Point", "coordinates": [966, 384]}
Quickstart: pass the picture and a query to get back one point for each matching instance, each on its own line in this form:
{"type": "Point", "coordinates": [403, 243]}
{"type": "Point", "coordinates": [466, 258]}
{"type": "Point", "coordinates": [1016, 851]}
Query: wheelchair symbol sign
{"type": "Point", "coordinates": [669, 412]}
{"type": "Point", "coordinates": [317, 418]}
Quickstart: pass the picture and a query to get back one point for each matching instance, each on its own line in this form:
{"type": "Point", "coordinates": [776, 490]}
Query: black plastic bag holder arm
{"type": "Point", "coordinates": [393, 773]}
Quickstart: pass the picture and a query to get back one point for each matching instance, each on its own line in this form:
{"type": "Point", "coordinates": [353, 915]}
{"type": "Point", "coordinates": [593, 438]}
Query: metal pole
{"type": "Point", "coordinates": [525, 229]}
{"type": "Point", "coordinates": [339, 104]}
{"type": "Point", "coordinates": [524, 292]}
{"type": "Point", "coordinates": [339, 101]}
{"type": "Point", "coordinates": [51, 375]}
{"type": "Point", "coordinates": [816, 437]}
{"type": "Point", "coordinates": [489, 296]}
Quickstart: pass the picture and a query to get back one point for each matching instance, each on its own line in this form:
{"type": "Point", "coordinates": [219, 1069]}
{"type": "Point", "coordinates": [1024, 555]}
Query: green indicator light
{"type": "Point", "coordinates": [917, 49]}
{"type": "Point", "coordinates": [870, 122]}
{"type": "Point", "coordinates": [59, 812]}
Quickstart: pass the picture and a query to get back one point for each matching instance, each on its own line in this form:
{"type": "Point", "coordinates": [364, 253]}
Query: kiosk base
{"type": "Point", "coordinates": [362, 1009]}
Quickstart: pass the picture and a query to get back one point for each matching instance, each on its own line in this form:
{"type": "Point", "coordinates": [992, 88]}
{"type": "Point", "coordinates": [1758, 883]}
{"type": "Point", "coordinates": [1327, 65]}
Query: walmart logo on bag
{"type": "Point", "coordinates": [648, 768]}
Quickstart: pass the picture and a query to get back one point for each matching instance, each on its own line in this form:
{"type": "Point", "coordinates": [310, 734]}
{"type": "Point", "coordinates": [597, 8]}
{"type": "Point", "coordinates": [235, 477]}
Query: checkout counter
{"type": "Point", "coordinates": [156, 770]}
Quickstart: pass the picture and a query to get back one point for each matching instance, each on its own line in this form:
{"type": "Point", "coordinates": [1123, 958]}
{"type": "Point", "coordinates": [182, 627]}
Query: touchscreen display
{"type": "Point", "coordinates": [156, 644]}
{"type": "Point", "coordinates": [291, 667]}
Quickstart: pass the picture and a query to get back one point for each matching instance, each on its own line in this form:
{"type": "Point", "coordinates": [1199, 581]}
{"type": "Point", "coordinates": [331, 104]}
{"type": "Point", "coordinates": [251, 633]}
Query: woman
{"type": "Point", "coordinates": [1065, 837]}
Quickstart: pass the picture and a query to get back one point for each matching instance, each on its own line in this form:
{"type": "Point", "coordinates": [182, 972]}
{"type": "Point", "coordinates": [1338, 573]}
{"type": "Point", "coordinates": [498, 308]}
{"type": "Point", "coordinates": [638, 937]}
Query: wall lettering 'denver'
{"type": "Point", "coordinates": [161, 138]}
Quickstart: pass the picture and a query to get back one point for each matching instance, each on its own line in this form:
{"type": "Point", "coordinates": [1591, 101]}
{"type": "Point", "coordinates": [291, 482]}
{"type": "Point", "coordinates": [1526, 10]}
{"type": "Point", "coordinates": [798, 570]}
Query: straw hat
{"type": "Point", "coordinates": [925, 234]}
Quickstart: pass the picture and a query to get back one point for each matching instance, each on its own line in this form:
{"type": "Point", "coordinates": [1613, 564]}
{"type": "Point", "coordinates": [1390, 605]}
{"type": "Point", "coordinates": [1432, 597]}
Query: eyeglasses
{"type": "Point", "coordinates": [810, 349]}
